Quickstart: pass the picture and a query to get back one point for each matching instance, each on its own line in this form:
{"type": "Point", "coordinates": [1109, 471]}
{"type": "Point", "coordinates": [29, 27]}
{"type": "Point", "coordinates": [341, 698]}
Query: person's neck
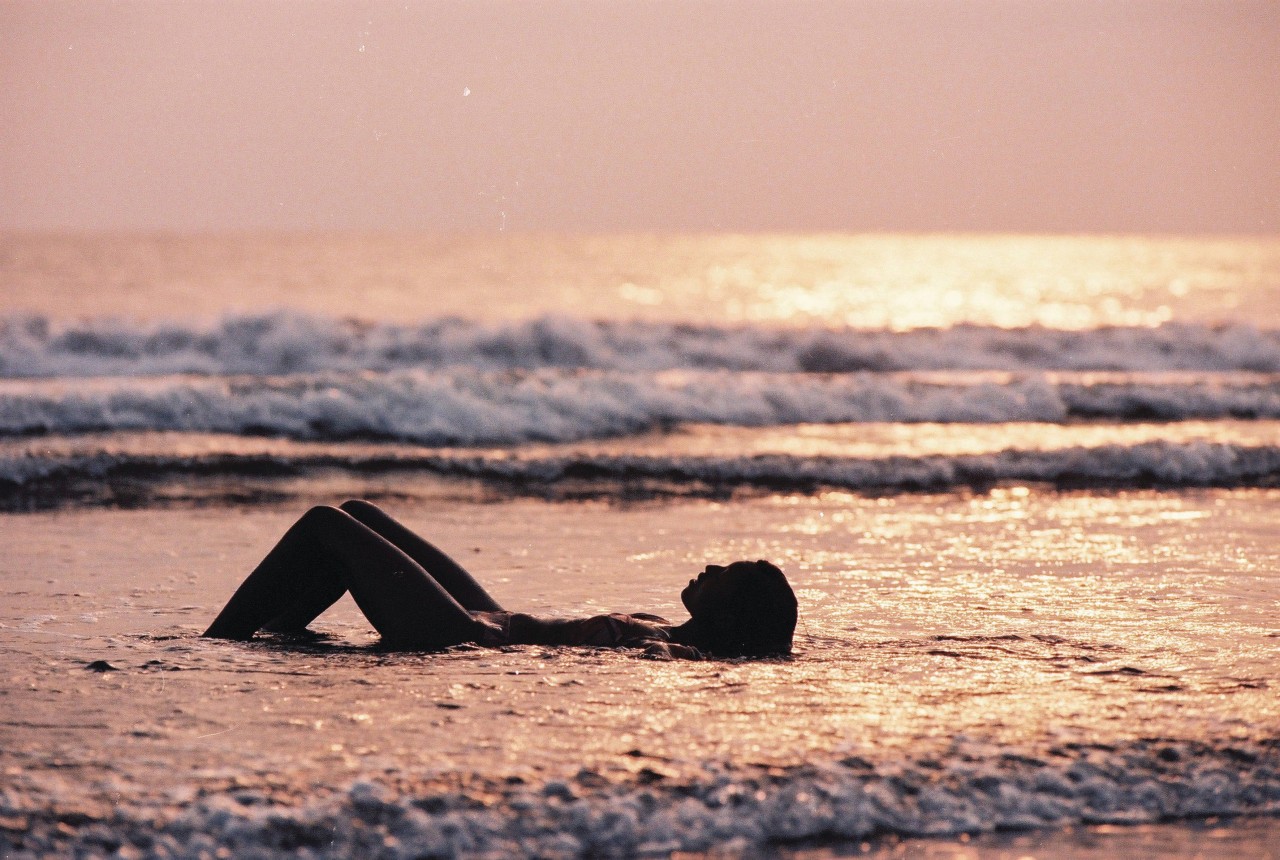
{"type": "Point", "coordinates": [692, 632]}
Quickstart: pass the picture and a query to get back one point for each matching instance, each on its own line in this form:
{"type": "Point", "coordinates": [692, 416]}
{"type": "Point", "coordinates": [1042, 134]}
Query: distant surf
{"type": "Point", "coordinates": [284, 342]}
{"type": "Point", "coordinates": [473, 407]}
{"type": "Point", "coordinates": [461, 385]}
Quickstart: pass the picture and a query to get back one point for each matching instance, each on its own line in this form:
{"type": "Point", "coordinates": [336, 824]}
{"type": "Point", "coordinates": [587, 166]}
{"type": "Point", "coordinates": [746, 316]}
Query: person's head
{"type": "Point", "coordinates": [746, 609]}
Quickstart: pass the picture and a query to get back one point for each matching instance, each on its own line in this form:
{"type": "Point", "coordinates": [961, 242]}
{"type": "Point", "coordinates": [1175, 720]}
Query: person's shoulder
{"type": "Point", "coordinates": [641, 625]}
{"type": "Point", "coordinates": [651, 634]}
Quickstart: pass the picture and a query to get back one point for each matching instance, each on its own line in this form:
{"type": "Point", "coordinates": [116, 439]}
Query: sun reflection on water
{"type": "Point", "coordinates": [1028, 614]}
{"type": "Point", "coordinates": [865, 281]}
{"type": "Point", "coordinates": [904, 282]}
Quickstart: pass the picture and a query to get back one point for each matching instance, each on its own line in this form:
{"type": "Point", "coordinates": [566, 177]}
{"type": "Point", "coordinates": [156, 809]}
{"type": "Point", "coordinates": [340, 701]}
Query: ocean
{"type": "Point", "coordinates": [1025, 487]}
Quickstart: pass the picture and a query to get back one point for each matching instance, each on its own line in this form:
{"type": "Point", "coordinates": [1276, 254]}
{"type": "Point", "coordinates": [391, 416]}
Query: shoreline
{"type": "Point", "coordinates": [459, 816]}
{"type": "Point", "coordinates": [947, 680]}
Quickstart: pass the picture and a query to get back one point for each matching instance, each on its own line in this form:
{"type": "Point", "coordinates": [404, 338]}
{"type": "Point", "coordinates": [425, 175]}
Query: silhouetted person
{"type": "Point", "coordinates": [418, 598]}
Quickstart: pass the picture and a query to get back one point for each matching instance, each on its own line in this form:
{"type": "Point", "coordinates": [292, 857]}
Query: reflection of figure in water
{"type": "Point", "coordinates": [419, 598]}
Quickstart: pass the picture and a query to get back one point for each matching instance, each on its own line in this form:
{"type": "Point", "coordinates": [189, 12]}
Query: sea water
{"type": "Point", "coordinates": [1022, 485]}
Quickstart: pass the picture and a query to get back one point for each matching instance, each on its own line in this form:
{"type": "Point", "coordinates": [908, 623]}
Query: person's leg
{"type": "Point", "coordinates": [297, 572]}
{"type": "Point", "coordinates": [321, 593]}
{"type": "Point", "coordinates": [452, 576]}
{"type": "Point", "coordinates": [403, 603]}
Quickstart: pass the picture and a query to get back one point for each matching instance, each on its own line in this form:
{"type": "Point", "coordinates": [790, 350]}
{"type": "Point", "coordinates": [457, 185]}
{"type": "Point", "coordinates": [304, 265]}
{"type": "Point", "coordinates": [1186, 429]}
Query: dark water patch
{"type": "Point", "coordinates": [32, 482]}
{"type": "Point", "coordinates": [938, 652]}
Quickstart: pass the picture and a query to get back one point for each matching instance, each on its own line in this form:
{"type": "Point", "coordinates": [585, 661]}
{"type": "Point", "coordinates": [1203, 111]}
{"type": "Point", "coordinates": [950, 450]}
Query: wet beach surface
{"type": "Point", "coordinates": [1000, 649]}
{"type": "Point", "coordinates": [1025, 487]}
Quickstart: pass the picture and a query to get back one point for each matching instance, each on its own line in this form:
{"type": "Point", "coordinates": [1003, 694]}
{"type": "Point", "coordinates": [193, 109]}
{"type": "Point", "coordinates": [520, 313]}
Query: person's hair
{"type": "Point", "coordinates": [757, 620]}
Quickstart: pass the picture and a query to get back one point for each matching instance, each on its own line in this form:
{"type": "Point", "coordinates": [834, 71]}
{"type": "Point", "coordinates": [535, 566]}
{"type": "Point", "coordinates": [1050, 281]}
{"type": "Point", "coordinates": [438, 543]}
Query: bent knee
{"type": "Point", "coordinates": [325, 515]}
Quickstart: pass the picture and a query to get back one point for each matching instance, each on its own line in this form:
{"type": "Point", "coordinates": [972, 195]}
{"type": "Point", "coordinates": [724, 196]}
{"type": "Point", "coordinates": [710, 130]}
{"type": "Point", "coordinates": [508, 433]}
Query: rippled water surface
{"type": "Point", "coordinates": [872, 281]}
{"type": "Point", "coordinates": [1025, 487]}
{"type": "Point", "coordinates": [1011, 623]}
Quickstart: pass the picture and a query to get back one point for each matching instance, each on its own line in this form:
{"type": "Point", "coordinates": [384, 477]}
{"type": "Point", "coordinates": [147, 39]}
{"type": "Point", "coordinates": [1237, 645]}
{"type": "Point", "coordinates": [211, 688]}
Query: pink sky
{"type": "Point", "coordinates": [605, 116]}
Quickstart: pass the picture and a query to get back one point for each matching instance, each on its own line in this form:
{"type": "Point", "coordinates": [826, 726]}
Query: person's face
{"type": "Point", "coordinates": [714, 586]}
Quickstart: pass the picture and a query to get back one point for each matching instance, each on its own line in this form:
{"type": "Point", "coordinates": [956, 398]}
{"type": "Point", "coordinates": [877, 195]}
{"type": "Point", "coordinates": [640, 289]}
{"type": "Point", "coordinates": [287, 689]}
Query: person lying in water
{"type": "Point", "coordinates": [418, 598]}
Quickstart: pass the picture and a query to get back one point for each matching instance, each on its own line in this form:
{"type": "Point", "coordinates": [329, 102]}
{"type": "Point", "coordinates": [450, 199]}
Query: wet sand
{"type": "Point", "coordinates": [930, 643]}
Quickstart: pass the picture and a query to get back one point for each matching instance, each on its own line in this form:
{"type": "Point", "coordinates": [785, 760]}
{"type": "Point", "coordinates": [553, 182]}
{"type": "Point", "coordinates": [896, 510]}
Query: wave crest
{"type": "Point", "coordinates": [469, 407]}
{"type": "Point", "coordinates": [285, 342]}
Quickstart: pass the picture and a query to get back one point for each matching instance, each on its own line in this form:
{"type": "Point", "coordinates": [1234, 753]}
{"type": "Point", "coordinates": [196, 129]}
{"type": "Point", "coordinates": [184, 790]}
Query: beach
{"type": "Point", "coordinates": [1031, 528]}
{"type": "Point", "coordinates": [963, 316]}
{"type": "Point", "coordinates": [932, 653]}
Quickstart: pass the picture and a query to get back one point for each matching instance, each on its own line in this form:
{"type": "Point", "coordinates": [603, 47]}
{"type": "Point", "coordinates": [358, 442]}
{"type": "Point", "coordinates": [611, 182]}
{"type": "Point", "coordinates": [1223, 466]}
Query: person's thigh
{"type": "Point", "coordinates": [453, 577]}
{"type": "Point", "coordinates": [403, 602]}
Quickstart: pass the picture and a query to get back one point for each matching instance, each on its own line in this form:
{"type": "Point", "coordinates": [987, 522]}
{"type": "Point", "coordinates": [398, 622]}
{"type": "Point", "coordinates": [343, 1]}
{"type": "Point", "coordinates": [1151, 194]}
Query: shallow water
{"type": "Point", "coordinates": [133, 469]}
{"type": "Point", "coordinates": [1025, 487]}
{"type": "Point", "coordinates": [1014, 639]}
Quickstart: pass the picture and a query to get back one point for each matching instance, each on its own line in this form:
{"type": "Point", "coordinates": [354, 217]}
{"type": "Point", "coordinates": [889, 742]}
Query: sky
{"type": "Point", "coordinates": [608, 116]}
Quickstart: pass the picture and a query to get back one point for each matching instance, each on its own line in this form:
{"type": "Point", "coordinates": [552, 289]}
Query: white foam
{"type": "Point", "coordinates": [719, 808]}
{"type": "Point", "coordinates": [284, 342]}
{"type": "Point", "coordinates": [469, 407]}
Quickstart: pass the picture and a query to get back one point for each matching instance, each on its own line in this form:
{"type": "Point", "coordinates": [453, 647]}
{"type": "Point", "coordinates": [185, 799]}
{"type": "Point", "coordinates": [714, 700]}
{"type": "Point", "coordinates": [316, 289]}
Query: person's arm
{"type": "Point", "coordinates": [531, 630]}
{"type": "Point", "coordinates": [606, 631]}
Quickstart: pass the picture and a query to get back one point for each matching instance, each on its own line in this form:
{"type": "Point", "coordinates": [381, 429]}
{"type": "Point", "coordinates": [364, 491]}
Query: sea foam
{"type": "Point", "coordinates": [724, 807]}
{"type": "Point", "coordinates": [287, 342]}
{"type": "Point", "coordinates": [464, 406]}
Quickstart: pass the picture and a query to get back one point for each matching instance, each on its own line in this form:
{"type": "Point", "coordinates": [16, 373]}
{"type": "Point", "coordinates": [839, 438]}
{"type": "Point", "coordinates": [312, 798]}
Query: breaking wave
{"type": "Point", "coordinates": [722, 808]}
{"type": "Point", "coordinates": [286, 342]}
{"type": "Point", "coordinates": [472, 407]}
{"type": "Point", "coordinates": [470, 385]}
